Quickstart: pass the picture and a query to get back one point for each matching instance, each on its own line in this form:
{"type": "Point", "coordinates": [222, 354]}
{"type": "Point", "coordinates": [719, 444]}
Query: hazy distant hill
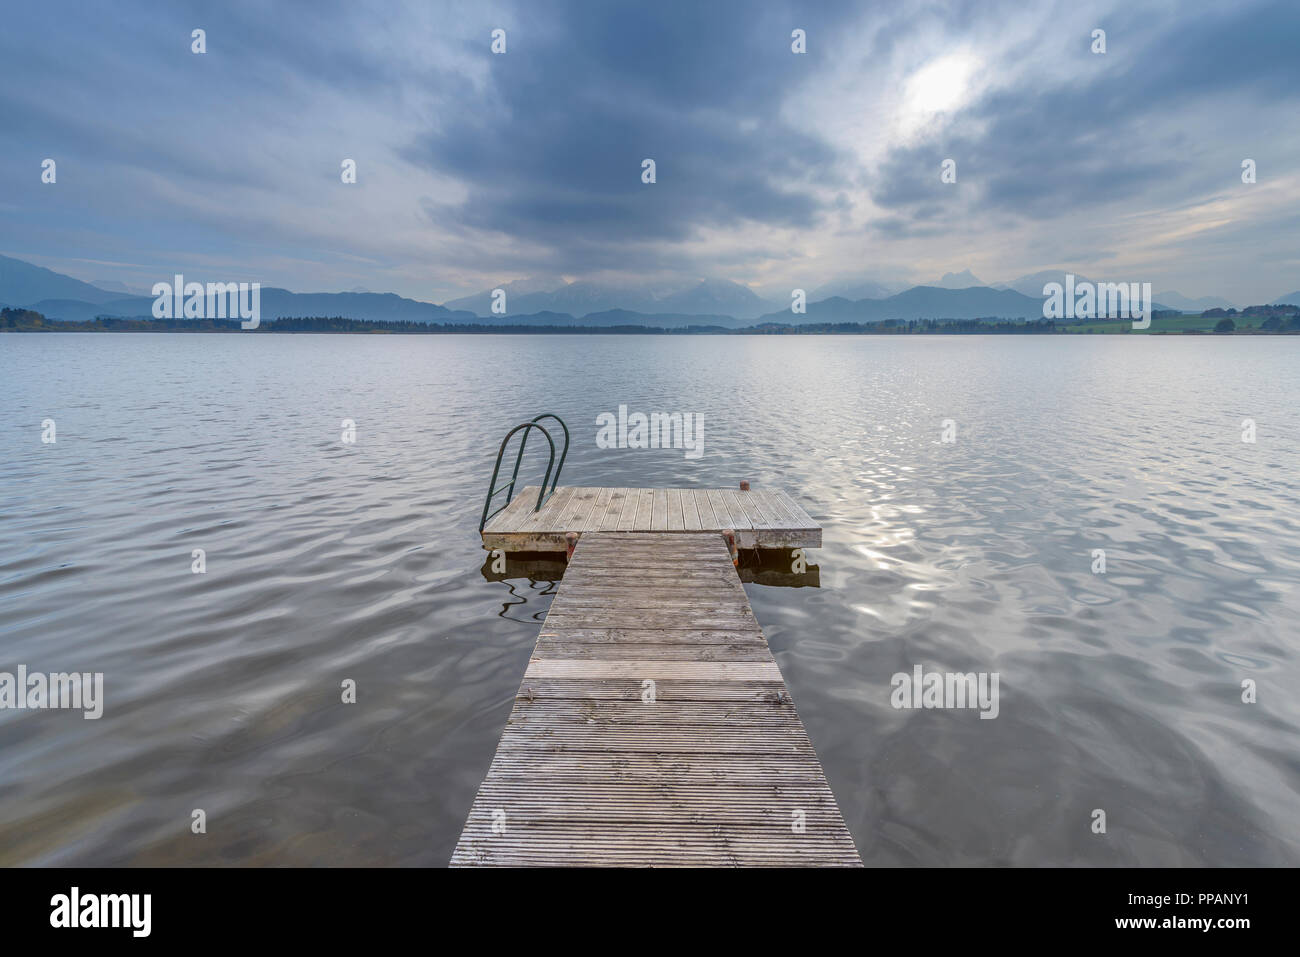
{"type": "Point", "coordinates": [21, 284]}
{"type": "Point", "coordinates": [1032, 285]}
{"type": "Point", "coordinates": [78, 310]}
{"type": "Point", "coordinates": [1174, 300]}
{"type": "Point", "coordinates": [1290, 299]}
{"type": "Point", "coordinates": [708, 297]}
{"type": "Point", "coordinates": [385, 307]}
{"type": "Point", "coordinates": [113, 286]}
{"type": "Point", "coordinates": [575, 298]}
{"type": "Point", "coordinates": [920, 302]}
{"type": "Point", "coordinates": [481, 302]}
{"type": "Point", "coordinates": [716, 297]}
{"type": "Point", "coordinates": [854, 289]}
{"type": "Point", "coordinates": [61, 297]}
{"type": "Point", "coordinates": [580, 298]}
{"type": "Point", "coordinates": [958, 280]}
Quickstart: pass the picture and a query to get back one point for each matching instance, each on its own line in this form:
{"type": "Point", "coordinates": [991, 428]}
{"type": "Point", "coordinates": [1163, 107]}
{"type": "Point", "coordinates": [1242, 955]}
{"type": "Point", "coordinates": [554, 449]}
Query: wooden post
{"type": "Point", "coordinates": [570, 543]}
{"type": "Point", "coordinates": [730, 536]}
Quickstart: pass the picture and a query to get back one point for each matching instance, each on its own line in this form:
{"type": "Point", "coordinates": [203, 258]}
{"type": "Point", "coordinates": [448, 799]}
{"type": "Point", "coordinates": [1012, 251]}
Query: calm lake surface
{"type": "Point", "coordinates": [328, 561]}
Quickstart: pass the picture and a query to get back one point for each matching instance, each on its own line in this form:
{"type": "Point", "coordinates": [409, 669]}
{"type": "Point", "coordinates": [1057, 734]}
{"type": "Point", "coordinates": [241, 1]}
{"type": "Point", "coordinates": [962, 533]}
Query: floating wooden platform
{"type": "Point", "coordinates": [762, 518]}
{"type": "Point", "coordinates": [715, 770]}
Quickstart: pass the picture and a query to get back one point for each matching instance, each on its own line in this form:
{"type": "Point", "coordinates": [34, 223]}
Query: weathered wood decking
{"type": "Point", "coordinates": [762, 518]}
{"type": "Point", "coordinates": [714, 769]}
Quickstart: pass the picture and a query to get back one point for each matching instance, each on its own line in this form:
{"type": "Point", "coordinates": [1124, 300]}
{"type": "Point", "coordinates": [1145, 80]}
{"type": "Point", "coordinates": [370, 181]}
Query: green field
{"type": "Point", "coordinates": [1172, 324]}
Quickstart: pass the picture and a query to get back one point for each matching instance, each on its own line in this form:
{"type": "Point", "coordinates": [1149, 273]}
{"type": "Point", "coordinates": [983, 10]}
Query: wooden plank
{"type": "Point", "coordinates": [679, 769]}
{"type": "Point", "coordinates": [690, 844]}
{"type": "Point", "coordinates": [627, 689]}
{"type": "Point", "coordinates": [578, 508]}
{"type": "Point", "coordinates": [721, 511]}
{"type": "Point", "coordinates": [802, 518]}
{"type": "Point", "coordinates": [690, 513]}
{"type": "Point", "coordinates": [621, 716]}
{"type": "Point", "coordinates": [739, 515]}
{"type": "Point", "coordinates": [614, 509]}
{"type": "Point", "coordinates": [627, 521]}
{"type": "Point", "coordinates": [668, 651]}
{"type": "Point", "coordinates": [597, 514]}
{"type": "Point", "coordinates": [659, 572]}
{"type": "Point", "coordinates": [714, 605]}
{"type": "Point", "coordinates": [554, 507]}
{"type": "Point", "coordinates": [516, 512]}
{"type": "Point", "coordinates": [674, 509]}
{"type": "Point", "coordinates": [710, 770]}
{"type": "Point", "coordinates": [715, 601]}
{"type": "Point", "coordinates": [659, 514]}
{"type": "Point", "coordinates": [703, 593]}
{"type": "Point", "coordinates": [645, 503]}
{"type": "Point", "coordinates": [657, 739]}
{"type": "Point", "coordinates": [690, 636]}
{"type": "Point", "coordinates": [705, 510]}
{"type": "Point", "coordinates": [681, 617]}
{"type": "Point", "coordinates": [670, 545]}
{"type": "Point", "coordinates": [698, 670]}
{"type": "Point", "coordinates": [760, 510]}
{"type": "Point", "coordinates": [781, 512]}
{"type": "Point", "coordinates": [775, 509]}
{"type": "Point", "coordinates": [804, 530]}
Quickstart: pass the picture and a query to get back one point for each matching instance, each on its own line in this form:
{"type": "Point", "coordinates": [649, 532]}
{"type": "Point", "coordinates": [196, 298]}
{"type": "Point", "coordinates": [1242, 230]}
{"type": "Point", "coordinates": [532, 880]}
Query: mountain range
{"type": "Point", "coordinates": [57, 296]}
{"type": "Point", "coordinates": [555, 301]}
{"type": "Point", "coordinates": [530, 296]}
{"type": "Point", "coordinates": [922, 302]}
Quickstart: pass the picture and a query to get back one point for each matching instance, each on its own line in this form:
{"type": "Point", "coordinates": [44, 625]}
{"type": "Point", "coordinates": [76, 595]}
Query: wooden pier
{"type": "Point", "coordinates": [653, 727]}
{"type": "Point", "coordinates": [761, 518]}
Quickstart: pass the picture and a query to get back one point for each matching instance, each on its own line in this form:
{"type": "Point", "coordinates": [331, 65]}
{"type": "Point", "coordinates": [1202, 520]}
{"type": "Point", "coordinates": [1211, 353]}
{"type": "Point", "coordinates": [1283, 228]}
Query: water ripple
{"type": "Point", "coordinates": [329, 561]}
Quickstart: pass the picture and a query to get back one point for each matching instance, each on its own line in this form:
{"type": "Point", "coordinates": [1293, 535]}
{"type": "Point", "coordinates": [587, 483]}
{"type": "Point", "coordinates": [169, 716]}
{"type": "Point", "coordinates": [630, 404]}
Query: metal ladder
{"type": "Point", "coordinates": [542, 493]}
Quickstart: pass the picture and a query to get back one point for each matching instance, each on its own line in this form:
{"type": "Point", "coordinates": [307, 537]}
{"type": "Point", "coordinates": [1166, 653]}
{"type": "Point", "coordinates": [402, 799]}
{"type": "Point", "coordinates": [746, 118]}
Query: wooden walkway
{"type": "Point", "coordinates": [762, 518]}
{"type": "Point", "coordinates": [713, 769]}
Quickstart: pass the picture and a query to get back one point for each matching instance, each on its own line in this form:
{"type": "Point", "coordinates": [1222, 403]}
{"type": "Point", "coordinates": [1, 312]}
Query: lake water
{"type": "Point", "coordinates": [328, 561]}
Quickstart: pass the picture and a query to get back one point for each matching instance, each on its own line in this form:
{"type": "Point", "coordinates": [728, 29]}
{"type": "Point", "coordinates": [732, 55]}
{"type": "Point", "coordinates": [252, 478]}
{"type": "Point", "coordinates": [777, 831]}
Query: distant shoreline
{"type": "Point", "coordinates": [19, 320]}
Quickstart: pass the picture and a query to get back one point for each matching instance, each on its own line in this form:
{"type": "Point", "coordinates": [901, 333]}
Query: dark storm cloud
{"type": "Point", "coordinates": [116, 84]}
{"type": "Point", "coordinates": [555, 151]}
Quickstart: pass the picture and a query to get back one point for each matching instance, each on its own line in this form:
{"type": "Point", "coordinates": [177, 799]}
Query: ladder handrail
{"type": "Point", "coordinates": [563, 454]}
{"type": "Point", "coordinates": [542, 494]}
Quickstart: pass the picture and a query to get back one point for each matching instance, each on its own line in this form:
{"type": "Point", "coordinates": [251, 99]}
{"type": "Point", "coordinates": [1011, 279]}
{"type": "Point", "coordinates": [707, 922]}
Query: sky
{"type": "Point", "coordinates": [774, 169]}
